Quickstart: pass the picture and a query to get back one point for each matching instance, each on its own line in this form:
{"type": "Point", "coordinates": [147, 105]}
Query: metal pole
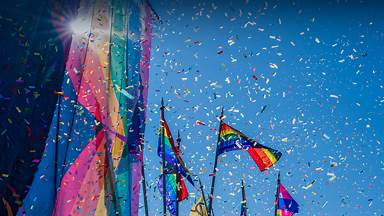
{"type": "Point", "coordinates": [202, 193]}
{"type": "Point", "coordinates": [244, 201]}
{"type": "Point", "coordinates": [277, 193]}
{"type": "Point", "coordinates": [178, 141]}
{"type": "Point", "coordinates": [57, 143]}
{"type": "Point", "coordinates": [144, 185]}
{"type": "Point", "coordinates": [215, 165]}
{"type": "Point", "coordinates": [163, 156]}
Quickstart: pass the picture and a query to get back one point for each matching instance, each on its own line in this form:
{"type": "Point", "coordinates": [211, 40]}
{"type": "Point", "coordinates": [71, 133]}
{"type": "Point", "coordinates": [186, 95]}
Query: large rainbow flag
{"type": "Point", "coordinates": [92, 159]}
{"type": "Point", "coordinates": [232, 139]}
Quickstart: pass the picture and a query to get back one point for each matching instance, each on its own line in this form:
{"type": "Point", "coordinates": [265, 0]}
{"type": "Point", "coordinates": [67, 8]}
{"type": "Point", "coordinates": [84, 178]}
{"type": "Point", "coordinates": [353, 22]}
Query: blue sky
{"type": "Point", "coordinates": [318, 69]}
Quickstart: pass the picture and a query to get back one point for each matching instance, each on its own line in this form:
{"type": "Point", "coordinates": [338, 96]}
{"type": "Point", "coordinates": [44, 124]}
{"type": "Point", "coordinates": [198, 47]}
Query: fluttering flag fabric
{"type": "Point", "coordinates": [199, 208]}
{"type": "Point", "coordinates": [285, 204]}
{"type": "Point", "coordinates": [174, 162]}
{"type": "Point", "coordinates": [232, 139]}
{"type": "Point", "coordinates": [92, 159]}
{"type": "Point", "coordinates": [171, 195]}
{"type": "Point", "coordinates": [174, 165]}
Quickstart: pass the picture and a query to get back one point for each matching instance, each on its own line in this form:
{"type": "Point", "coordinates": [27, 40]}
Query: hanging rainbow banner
{"type": "Point", "coordinates": [92, 159]}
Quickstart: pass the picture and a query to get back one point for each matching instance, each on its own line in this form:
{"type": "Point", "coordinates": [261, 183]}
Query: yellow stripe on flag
{"type": "Point", "coordinates": [271, 157]}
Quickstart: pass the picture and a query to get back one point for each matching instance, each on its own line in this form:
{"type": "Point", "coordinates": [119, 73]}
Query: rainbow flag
{"type": "Point", "coordinates": [285, 204]}
{"type": "Point", "coordinates": [171, 187]}
{"type": "Point", "coordinates": [174, 162]}
{"type": "Point", "coordinates": [232, 139]}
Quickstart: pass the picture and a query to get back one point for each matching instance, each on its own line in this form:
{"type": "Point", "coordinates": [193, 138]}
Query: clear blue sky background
{"type": "Point", "coordinates": [319, 69]}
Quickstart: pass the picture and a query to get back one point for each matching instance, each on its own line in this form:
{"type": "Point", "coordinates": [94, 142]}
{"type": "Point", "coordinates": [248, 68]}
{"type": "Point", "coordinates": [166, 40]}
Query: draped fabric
{"type": "Point", "coordinates": [33, 53]}
{"type": "Point", "coordinates": [92, 160]}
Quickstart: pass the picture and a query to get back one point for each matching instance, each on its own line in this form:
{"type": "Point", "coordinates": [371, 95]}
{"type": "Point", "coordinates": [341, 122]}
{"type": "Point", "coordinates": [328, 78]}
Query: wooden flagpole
{"type": "Point", "coordinates": [163, 156]}
{"type": "Point", "coordinates": [215, 165]}
{"type": "Point", "coordinates": [178, 141]}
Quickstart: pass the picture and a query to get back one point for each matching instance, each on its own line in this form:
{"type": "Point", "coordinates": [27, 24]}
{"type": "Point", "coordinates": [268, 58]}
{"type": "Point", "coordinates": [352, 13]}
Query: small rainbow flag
{"type": "Point", "coordinates": [174, 162]}
{"type": "Point", "coordinates": [175, 191]}
{"type": "Point", "coordinates": [232, 139]}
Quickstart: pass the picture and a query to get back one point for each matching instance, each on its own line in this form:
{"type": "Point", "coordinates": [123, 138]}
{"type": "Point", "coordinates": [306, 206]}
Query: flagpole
{"type": "Point", "coordinates": [244, 201]}
{"type": "Point", "coordinates": [57, 143]}
{"type": "Point", "coordinates": [143, 182]}
{"type": "Point", "coordinates": [202, 193]}
{"type": "Point", "coordinates": [215, 165]}
{"type": "Point", "coordinates": [163, 156]}
{"type": "Point", "coordinates": [178, 141]}
{"type": "Point", "coordinates": [144, 185]}
{"type": "Point", "coordinates": [277, 193]}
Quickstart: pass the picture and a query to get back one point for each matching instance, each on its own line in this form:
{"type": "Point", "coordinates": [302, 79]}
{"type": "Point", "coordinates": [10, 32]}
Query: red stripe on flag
{"type": "Point", "coordinates": [183, 193]}
{"type": "Point", "coordinates": [260, 158]}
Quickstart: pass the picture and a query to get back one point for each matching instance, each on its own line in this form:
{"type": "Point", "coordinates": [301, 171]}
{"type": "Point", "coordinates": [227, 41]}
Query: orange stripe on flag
{"type": "Point", "coordinates": [260, 158]}
{"type": "Point", "coordinates": [269, 154]}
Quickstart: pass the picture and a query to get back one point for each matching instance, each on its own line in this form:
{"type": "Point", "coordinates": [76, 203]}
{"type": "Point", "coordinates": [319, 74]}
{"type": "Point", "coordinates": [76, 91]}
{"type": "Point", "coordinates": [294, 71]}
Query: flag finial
{"type": "Point", "coordinates": [178, 136]}
{"type": "Point", "coordinates": [222, 113]}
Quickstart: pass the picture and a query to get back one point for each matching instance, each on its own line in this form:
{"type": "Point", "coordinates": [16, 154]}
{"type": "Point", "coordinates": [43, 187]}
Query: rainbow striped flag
{"type": "Point", "coordinates": [285, 204]}
{"type": "Point", "coordinates": [172, 196]}
{"type": "Point", "coordinates": [174, 162]}
{"type": "Point", "coordinates": [232, 139]}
